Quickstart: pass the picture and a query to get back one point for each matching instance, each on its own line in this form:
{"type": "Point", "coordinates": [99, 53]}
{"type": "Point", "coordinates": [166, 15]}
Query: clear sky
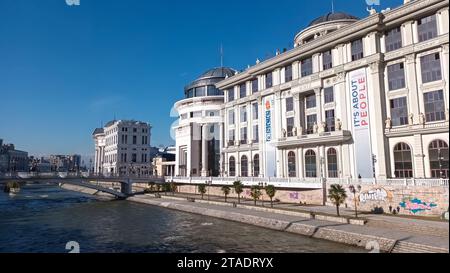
{"type": "Point", "coordinates": [66, 69]}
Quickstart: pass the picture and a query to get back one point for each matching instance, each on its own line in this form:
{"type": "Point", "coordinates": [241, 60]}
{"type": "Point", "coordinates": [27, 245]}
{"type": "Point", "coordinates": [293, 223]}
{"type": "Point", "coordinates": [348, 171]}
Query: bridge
{"type": "Point", "coordinates": [84, 179]}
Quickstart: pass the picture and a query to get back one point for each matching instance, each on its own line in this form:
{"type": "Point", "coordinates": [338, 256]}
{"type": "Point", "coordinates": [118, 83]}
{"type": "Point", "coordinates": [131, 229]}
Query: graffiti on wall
{"type": "Point", "coordinates": [376, 194]}
{"type": "Point", "coordinates": [416, 205]}
{"type": "Point", "coordinates": [293, 195]}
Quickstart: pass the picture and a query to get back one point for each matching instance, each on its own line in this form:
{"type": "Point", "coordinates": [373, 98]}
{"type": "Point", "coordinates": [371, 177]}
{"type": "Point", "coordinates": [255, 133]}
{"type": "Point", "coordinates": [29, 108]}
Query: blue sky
{"type": "Point", "coordinates": [66, 69]}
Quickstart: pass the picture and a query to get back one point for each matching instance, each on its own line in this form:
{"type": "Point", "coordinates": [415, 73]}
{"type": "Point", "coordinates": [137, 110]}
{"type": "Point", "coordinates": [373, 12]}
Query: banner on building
{"type": "Point", "coordinates": [359, 103]}
{"type": "Point", "coordinates": [269, 135]}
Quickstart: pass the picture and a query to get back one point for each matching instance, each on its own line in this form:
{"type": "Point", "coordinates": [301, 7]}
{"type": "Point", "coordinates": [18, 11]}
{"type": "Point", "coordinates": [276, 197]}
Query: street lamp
{"type": "Point", "coordinates": [355, 190]}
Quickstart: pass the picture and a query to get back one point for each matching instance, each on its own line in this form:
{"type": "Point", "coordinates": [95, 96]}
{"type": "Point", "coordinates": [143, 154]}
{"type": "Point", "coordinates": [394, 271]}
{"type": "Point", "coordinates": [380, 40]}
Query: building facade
{"type": "Point", "coordinates": [122, 147]}
{"type": "Point", "coordinates": [198, 132]}
{"type": "Point", "coordinates": [12, 160]}
{"type": "Point", "coordinates": [65, 163]}
{"type": "Point", "coordinates": [355, 98]}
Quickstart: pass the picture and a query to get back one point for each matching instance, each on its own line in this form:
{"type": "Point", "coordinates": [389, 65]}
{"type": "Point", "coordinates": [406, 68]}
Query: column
{"type": "Point", "coordinates": [301, 173]}
{"type": "Point", "coordinates": [411, 84]}
{"type": "Point", "coordinates": [204, 150]}
{"type": "Point", "coordinates": [297, 121]}
{"type": "Point", "coordinates": [445, 72]}
{"type": "Point", "coordinates": [418, 156]}
{"type": "Point", "coordinates": [318, 93]}
{"type": "Point", "coordinates": [222, 145]}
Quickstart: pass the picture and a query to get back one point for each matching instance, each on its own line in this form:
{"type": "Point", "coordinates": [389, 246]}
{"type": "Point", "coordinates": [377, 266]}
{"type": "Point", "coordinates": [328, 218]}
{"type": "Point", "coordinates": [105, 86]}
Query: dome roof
{"type": "Point", "coordinates": [211, 77]}
{"type": "Point", "coordinates": [332, 16]}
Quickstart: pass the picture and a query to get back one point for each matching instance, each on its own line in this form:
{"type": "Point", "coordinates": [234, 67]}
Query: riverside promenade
{"type": "Point", "coordinates": [389, 234]}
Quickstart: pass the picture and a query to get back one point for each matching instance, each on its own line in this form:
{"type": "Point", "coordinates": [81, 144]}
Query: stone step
{"type": "Point", "coordinates": [406, 247]}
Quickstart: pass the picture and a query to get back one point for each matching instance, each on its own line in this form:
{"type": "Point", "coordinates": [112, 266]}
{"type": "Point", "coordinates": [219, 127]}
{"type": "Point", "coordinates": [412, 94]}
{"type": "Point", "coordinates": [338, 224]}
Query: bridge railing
{"type": "Point", "coordinates": [63, 175]}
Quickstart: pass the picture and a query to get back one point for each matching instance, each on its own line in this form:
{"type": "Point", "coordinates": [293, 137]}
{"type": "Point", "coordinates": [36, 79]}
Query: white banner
{"type": "Point", "coordinates": [269, 135]}
{"type": "Point", "coordinates": [359, 102]}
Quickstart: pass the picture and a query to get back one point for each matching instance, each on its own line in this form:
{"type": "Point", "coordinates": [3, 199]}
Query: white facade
{"type": "Point", "coordinates": [297, 116]}
{"type": "Point", "coordinates": [122, 147]}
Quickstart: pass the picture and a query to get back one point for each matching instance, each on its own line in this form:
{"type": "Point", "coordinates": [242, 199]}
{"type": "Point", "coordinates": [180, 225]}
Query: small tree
{"type": "Point", "coordinates": [158, 187]}
{"type": "Point", "coordinates": [167, 188]}
{"type": "Point", "coordinates": [238, 188]}
{"type": "Point", "coordinates": [202, 189]}
{"type": "Point", "coordinates": [337, 195]}
{"type": "Point", "coordinates": [226, 191]}
{"type": "Point", "coordinates": [270, 191]}
{"type": "Point", "coordinates": [255, 193]}
{"type": "Point", "coordinates": [173, 188]}
{"type": "Point", "coordinates": [152, 185]}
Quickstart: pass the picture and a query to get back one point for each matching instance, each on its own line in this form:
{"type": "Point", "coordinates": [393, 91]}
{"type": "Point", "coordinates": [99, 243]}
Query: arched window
{"type": "Point", "coordinates": [256, 166]}
{"type": "Point", "coordinates": [310, 164]}
{"type": "Point", "coordinates": [291, 165]}
{"type": "Point", "coordinates": [244, 166]}
{"type": "Point", "coordinates": [332, 163]}
{"type": "Point", "coordinates": [403, 161]}
{"type": "Point", "coordinates": [438, 151]}
{"type": "Point", "coordinates": [232, 166]}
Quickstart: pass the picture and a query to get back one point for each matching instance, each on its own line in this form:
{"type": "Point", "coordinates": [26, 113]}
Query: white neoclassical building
{"type": "Point", "coordinates": [355, 98]}
{"type": "Point", "coordinates": [122, 147]}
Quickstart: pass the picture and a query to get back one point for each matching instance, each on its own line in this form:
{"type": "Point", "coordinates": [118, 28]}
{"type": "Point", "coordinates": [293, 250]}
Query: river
{"type": "Point", "coordinates": [43, 218]}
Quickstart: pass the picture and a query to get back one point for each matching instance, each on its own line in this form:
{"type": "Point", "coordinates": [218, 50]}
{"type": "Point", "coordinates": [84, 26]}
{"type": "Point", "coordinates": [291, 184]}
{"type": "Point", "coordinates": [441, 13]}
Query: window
{"type": "Point", "coordinates": [290, 126]}
{"type": "Point", "coordinates": [310, 101]}
{"type": "Point", "coordinates": [399, 111]}
{"type": "Point", "coordinates": [244, 166]}
{"type": "Point", "coordinates": [332, 163]}
{"type": "Point", "coordinates": [200, 91]}
{"type": "Point", "coordinates": [269, 82]}
{"type": "Point", "coordinates": [328, 94]}
{"type": "Point", "coordinates": [357, 50]}
{"type": "Point", "coordinates": [134, 140]}
{"type": "Point", "coordinates": [289, 104]}
{"type": "Point", "coordinates": [232, 166]}
{"type": "Point", "coordinates": [396, 76]}
{"type": "Point", "coordinates": [231, 117]}
{"type": "Point", "coordinates": [243, 114]}
{"type": "Point", "coordinates": [254, 86]}
{"type": "Point", "coordinates": [134, 158]}
{"type": "Point", "coordinates": [329, 121]}
{"type": "Point", "coordinates": [306, 67]}
{"type": "Point", "coordinates": [255, 111]}
{"type": "Point", "coordinates": [255, 134]}
{"type": "Point", "coordinates": [434, 106]}
{"type": "Point", "coordinates": [311, 120]}
{"type": "Point", "coordinates": [288, 73]}
{"type": "Point", "coordinates": [190, 93]}
{"type": "Point", "coordinates": [427, 28]}
{"type": "Point", "coordinates": [327, 60]}
{"type": "Point", "coordinates": [242, 91]}
{"type": "Point", "coordinates": [230, 94]}
{"type": "Point", "coordinates": [403, 161]}
{"type": "Point", "coordinates": [256, 166]}
{"type": "Point", "coordinates": [431, 68]}
{"type": "Point", "coordinates": [393, 39]}
{"type": "Point", "coordinates": [310, 164]}
{"type": "Point", "coordinates": [291, 165]}
{"type": "Point", "coordinates": [244, 135]}
{"type": "Point", "coordinates": [439, 163]}
{"type": "Point", "coordinates": [213, 91]}
{"type": "Point", "coordinates": [231, 137]}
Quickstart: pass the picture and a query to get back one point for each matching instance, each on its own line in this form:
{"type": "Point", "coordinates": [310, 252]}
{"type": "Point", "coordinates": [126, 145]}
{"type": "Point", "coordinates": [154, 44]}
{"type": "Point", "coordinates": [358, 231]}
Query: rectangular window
{"type": "Point", "coordinates": [255, 134]}
{"type": "Point", "coordinates": [134, 140]}
{"type": "Point", "coordinates": [329, 94]}
{"type": "Point", "coordinates": [231, 117]}
{"type": "Point", "coordinates": [399, 111]}
{"type": "Point", "coordinates": [289, 104]}
{"type": "Point", "coordinates": [357, 50]}
{"type": "Point", "coordinates": [288, 73]}
{"type": "Point", "coordinates": [310, 101]}
{"type": "Point", "coordinates": [329, 121]}
{"type": "Point", "coordinates": [396, 76]}
{"type": "Point", "coordinates": [200, 91]}
{"type": "Point", "coordinates": [231, 138]}
{"type": "Point", "coordinates": [213, 91]}
{"type": "Point", "coordinates": [393, 39]}
{"type": "Point", "coordinates": [311, 120]}
{"type": "Point", "coordinates": [434, 106]}
{"type": "Point", "coordinates": [306, 67]}
{"type": "Point", "coordinates": [290, 126]}
{"type": "Point", "coordinates": [255, 110]}
{"type": "Point", "coordinates": [254, 86]}
{"type": "Point", "coordinates": [327, 60]}
{"type": "Point", "coordinates": [244, 135]}
{"type": "Point", "coordinates": [243, 114]}
{"type": "Point", "coordinates": [242, 90]}
{"type": "Point", "coordinates": [431, 68]}
{"type": "Point", "coordinates": [427, 28]}
{"type": "Point", "coordinates": [269, 82]}
{"type": "Point", "coordinates": [134, 158]}
{"type": "Point", "coordinates": [230, 94]}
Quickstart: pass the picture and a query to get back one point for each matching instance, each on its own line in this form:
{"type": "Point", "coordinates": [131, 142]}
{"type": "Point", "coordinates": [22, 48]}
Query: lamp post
{"type": "Point", "coordinates": [355, 190]}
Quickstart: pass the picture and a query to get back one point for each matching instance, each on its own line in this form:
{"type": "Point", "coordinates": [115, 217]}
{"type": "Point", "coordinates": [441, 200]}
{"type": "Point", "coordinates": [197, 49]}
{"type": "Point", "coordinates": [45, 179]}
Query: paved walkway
{"type": "Point", "coordinates": [399, 223]}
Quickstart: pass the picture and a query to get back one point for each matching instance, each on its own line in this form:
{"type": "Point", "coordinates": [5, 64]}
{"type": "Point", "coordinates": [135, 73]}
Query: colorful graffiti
{"type": "Point", "coordinates": [416, 205]}
{"type": "Point", "coordinates": [377, 194]}
{"type": "Point", "coordinates": [293, 195]}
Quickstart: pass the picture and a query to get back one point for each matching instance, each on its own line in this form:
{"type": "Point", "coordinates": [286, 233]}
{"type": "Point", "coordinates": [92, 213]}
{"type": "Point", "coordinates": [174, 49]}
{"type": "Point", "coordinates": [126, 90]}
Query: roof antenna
{"type": "Point", "coordinates": [332, 6]}
{"type": "Point", "coordinates": [221, 55]}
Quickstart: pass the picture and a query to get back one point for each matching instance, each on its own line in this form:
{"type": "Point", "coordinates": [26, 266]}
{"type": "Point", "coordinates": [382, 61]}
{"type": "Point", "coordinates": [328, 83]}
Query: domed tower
{"type": "Point", "coordinates": [199, 131]}
{"type": "Point", "coordinates": [323, 25]}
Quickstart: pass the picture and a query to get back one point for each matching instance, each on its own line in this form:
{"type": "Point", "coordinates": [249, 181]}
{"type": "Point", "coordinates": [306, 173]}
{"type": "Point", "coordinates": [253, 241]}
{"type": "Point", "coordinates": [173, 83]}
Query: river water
{"type": "Point", "coordinates": [43, 218]}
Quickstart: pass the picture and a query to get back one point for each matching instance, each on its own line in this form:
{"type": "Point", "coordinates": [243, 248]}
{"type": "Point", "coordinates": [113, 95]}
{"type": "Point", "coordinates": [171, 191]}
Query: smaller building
{"type": "Point", "coordinates": [12, 160]}
{"type": "Point", "coordinates": [65, 163]}
{"type": "Point", "coordinates": [164, 164]}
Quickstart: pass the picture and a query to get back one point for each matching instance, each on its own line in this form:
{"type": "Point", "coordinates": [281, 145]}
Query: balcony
{"type": "Point", "coordinates": [431, 127]}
